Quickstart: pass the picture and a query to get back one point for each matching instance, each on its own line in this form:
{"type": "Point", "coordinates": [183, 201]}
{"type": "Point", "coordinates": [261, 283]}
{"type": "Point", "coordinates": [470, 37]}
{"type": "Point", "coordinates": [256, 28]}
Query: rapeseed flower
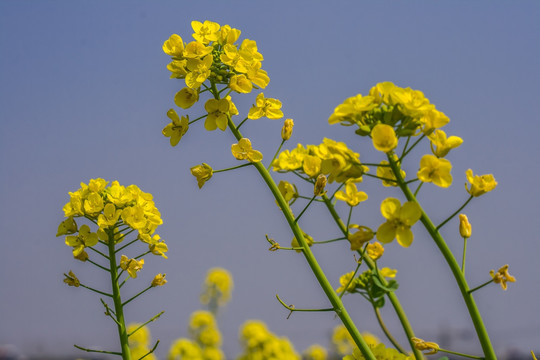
{"type": "Point", "coordinates": [399, 221]}
{"type": "Point", "coordinates": [240, 84]}
{"type": "Point", "coordinates": [441, 145]}
{"type": "Point", "coordinates": [205, 32]}
{"type": "Point", "coordinates": [384, 138]}
{"type": "Point", "coordinates": [177, 128]}
{"type": "Point", "coordinates": [218, 286]}
{"type": "Point", "coordinates": [174, 46]}
{"type": "Point", "coordinates": [203, 173]}
{"type": "Point", "coordinates": [352, 196]}
{"type": "Point", "coordinates": [480, 184]}
{"type": "Point", "coordinates": [159, 280]}
{"type": "Point", "coordinates": [435, 170]}
{"type": "Point", "coordinates": [218, 111]}
{"type": "Point", "coordinates": [287, 129]}
{"type": "Point", "coordinates": [71, 279]}
{"type": "Point", "coordinates": [243, 151]}
{"type": "Point", "coordinates": [132, 266]}
{"type": "Point", "coordinates": [265, 107]}
{"type": "Point", "coordinates": [422, 345]}
{"type": "Point", "coordinates": [465, 228]}
{"type": "Point", "coordinates": [85, 238]}
{"type": "Point", "coordinates": [360, 237]}
{"type": "Point", "coordinates": [315, 352]}
{"type": "Point", "coordinates": [375, 250]}
{"type": "Point", "coordinates": [387, 175]}
{"type": "Point", "coordinates": [186, 97]}
{"type": "Point", "coordinates": [502, 277]}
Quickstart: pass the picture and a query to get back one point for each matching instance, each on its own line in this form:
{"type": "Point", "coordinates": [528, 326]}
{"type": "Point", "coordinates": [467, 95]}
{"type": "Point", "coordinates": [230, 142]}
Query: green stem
{"type": "Point", "coordinates": [125, 246]}
{"type": "Point", "coordinates": [464, 255]}
{"type": "Point", "coordinates": [418, 188]}
{"type": "Point", "coordinates": [277, 152]}
{"type": "Point", "coordinates": [380, 178]}
{"type": "Point", "coordinates": [391, 296]}
{"type": "Point", "coordinates": [136, 296]}
{"type": "Point", "coordinates": [96, 264]}
{"type": "Point", "coordinates": [480, 286]}
{"type": "Point", "coordinates": [454, 214]}
{"type": "Point", "coordinates": [476, 318]}
{"type": "Point", "coordinates": [97, 351]}
{"type": "Point", "coordinates": [304, 210]}
{"type": "Point", "coordinates": [386, 331]}
{"type": "Point", "coordinates": [460, 354]}
{"type": "Point", "coordinates": [154, 318]}
{"type": "Point", "coordinates": [334, 299]}
{"type": "Point", "coordinates": [151, 351]}
{"type": "Point", "coordinates": [118, 308]}
{"type": "Point", "coordinates": [232, 168]}
{"type": "Point", "coordinates": [309, 198]}
{"type": "Point", "coordinates": [98, 252]}
{"type": "Point", "coordinates": [329, 241]}
{"type": "Point", "coordinates": [94, 290]}
{"type": "Point", "coordinates": [412, 147]}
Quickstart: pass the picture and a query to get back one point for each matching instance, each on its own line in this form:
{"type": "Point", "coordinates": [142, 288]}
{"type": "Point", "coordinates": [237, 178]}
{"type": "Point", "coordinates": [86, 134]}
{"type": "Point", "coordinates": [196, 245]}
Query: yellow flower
{"type": "Point", "coordinates": [433, 119]}
{"type": "Point", "coordinates": [109, 217]}
{"type": "Point", "coordinates": [184, 349]}
{"type": "Point", "coordinates": [86, 238]}
{"type": "Point", "coordinates": [287, 129]}
{"type": "Point", "coordinates": [217, 114]}
{"type": "Point", "coordinates": [465, 227]}
{"type": "Point", "coordinates": [199, 71]}
{"type": "Point", "coordinates": [218, 286]}
{"type": "Point", "coordinates": [320, 184]}
{"type": "Point", "coordinates": [295, 243]}
{"type": "Point", "coordinates": [203, 173]}
{"type": "Point", "coordinates": [435, 170]}
{"type": "Point", "coordinates": [440, 145]}
{"type": "Point", "coordinates": [132, 266]}
{"type": "Point", "coordinates": [205, 32]}
{"type": "Point", "coordinates": [315, 352]}
{"type": "Point", "coordinates": [228, 35]}
{"type": "Point", "coordinates": [174, 46]}
{"type": "Point", "coordinates": [93, 204]}
{"type": "Point", "coordinates": [412, 102]}
{"type": "Point", "coordinates": [399, 221]}
{"type": "Point", "coordinates": [502, 276]}
{"type": "Point", "coordinates": [359, 238]}
{"type": "Point", "coordinates": [422, 345]}
{"type": "Point", "coordinates": [67, 227]}
{"type": "Point", "coordinates": [243, 151]}
{"type": "Point", "coordinates": [240, 84]}
{"type": "Point", "coordinates": [385, 172]}
{"type": "Point", "coordinates": [186, 97]}
{"type": "Point", "coordinates": [194, 51]}
{"type": "Point", "coordinates": [141, 337]}
{"type": "Point", "coordinates": [375, 250]}
{"type": "Point", "coordinates": [345, 280]}
{"type": "Point", "coordinates": [480, 184]}
{"type": "Point", "coordinates": [155, 244]}
{"type": "Point", "coordinates": [134, 216]}
{"type": "Point", "coordinates": [177, 128]}
{"type": "Point", "coordinates": [271, 108]}
{"type": "Point", "coordinates": [384, 138]}
{"type": "Point", "coordinates": [312, 165]}
{"type": "Point", "coordinates": [388, 273]}
{"type": "Point", "coordinates": [159, 280]}
{"type": "Point", "coordinates": [351, 195]}
{"type": "Point", "coordinates": [178, 69]}
{"type": "Point", "coordinates": [288, 191]}
{"type": "Point", "coordinates": [342, 340]}
{"type": "Point", "coordinates": [258, 76]}
{"type": "Point", "coordinates": [71, 279]}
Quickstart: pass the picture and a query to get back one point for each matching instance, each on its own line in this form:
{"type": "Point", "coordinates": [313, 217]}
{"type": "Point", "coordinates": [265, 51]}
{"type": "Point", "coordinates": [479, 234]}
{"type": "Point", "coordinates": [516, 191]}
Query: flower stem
{"type": "Point", "coordinates": [386, 331]}
{"type": "Point", "coordinates": [476, 318]}
{"type": "Point", "coordinates": [454, 214]}
{"type": "Point", "coordinates": [391, 296]}
{"type": "Point", "coordinates": [464, 255]}
{"type": "Point", "coordinates": [460, 354]}
{"type": "Point", "coordinates": [118, 308]}
{"type": "Point", "coordinates": [480, 286]}
{"type": "Point", "coordinates": [232, 168]}
{"type": "Point", "coordinates": [275, 155]}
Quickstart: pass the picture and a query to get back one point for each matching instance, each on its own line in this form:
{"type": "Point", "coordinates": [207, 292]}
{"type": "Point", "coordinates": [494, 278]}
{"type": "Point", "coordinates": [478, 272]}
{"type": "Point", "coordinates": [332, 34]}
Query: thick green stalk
{"type": "Point", "coordinates": [336, 302]}
{"type": "Point", "coordinates": [118, 308]}
{"type": "Point", "coordinates": [391, 296]}
{"type": "Point", "coordinates": [476, 318]}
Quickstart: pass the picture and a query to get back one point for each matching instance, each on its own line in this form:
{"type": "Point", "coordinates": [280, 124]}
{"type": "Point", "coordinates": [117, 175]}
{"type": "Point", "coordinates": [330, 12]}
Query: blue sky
{"type": "Point", "coordinates": [83, 94]}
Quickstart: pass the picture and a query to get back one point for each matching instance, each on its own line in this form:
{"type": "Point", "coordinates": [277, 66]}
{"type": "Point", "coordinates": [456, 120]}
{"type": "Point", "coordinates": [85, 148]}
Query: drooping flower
{"type": "Point", "coordinates": [480, 184]}
{"type": "Point", "coordinates": [159, 280]}
{"type": "Point", "coordinates": [271, 108]}
{"type": "Point", "coordinates": [71, 279]}
{"type": "Point", "coordinates": [384, 138]}
{"type": "Point", "coordinates": [132, 266]}
{"type": "Point", "coordinates": [352, 196]}
{"type": "Point", "coordinates": [435, 170]}
{"type": "Point", "coordinates": [203, 173]}
{"type": "Point", "coordinates": [177, 128]}
{"type": "Point", "coordinates": [360, 237]}
{"type": "Point", "coordinates": [243, 151]}
{"type": "Point", "coordinates": [399, 221]}
{"type": "Point", "coordinates": [502, 276]}
{"type": "Point", "coordinates": [422, 345]}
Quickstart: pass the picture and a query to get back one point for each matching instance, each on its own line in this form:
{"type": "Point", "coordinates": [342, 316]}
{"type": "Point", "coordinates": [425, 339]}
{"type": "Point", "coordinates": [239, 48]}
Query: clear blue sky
{"type": "Point", "coordinates": [83, 94]}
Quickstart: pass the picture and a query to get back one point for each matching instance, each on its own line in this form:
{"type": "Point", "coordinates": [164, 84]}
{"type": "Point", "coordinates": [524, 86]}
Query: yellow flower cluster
{"type": "Point", "coordinates": [404, 110]}
{"type": "Point", "coordinates": [217, 287]}
{"type": "Point", "coordinates": [110, 207]}
{"type": "Point", "coordinates": [315, 352]}
{"type": "Point", "coordinates": [260, 343]}
{"type": "Point", "coordinates": [331, 158]}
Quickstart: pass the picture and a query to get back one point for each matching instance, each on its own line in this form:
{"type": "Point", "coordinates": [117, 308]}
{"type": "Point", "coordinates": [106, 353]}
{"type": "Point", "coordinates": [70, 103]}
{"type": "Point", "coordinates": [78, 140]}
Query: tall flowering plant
{"type": "Point", "coordinates": [216, 66]}
{"type": "Point", "coordinates": [102, 221]}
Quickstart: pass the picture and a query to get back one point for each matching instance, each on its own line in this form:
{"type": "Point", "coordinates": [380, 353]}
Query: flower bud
{"type": "Point", "coordinates": [320, 184]}
{"type": "Point", "coordinates": [465, 228]}
{"type": "Point", "coordinates": [286, 130]}
{"type": "Point", "coordinates": [159, 280]}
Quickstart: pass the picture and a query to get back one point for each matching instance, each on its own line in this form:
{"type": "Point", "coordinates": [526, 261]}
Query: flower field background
{"type": "Point", "coordinates": [84, 93]}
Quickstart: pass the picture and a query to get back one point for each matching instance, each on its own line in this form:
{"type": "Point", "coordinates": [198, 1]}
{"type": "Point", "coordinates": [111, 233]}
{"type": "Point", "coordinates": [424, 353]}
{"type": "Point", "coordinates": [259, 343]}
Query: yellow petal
{"type": "Point", "coordinates": [386, 232]}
